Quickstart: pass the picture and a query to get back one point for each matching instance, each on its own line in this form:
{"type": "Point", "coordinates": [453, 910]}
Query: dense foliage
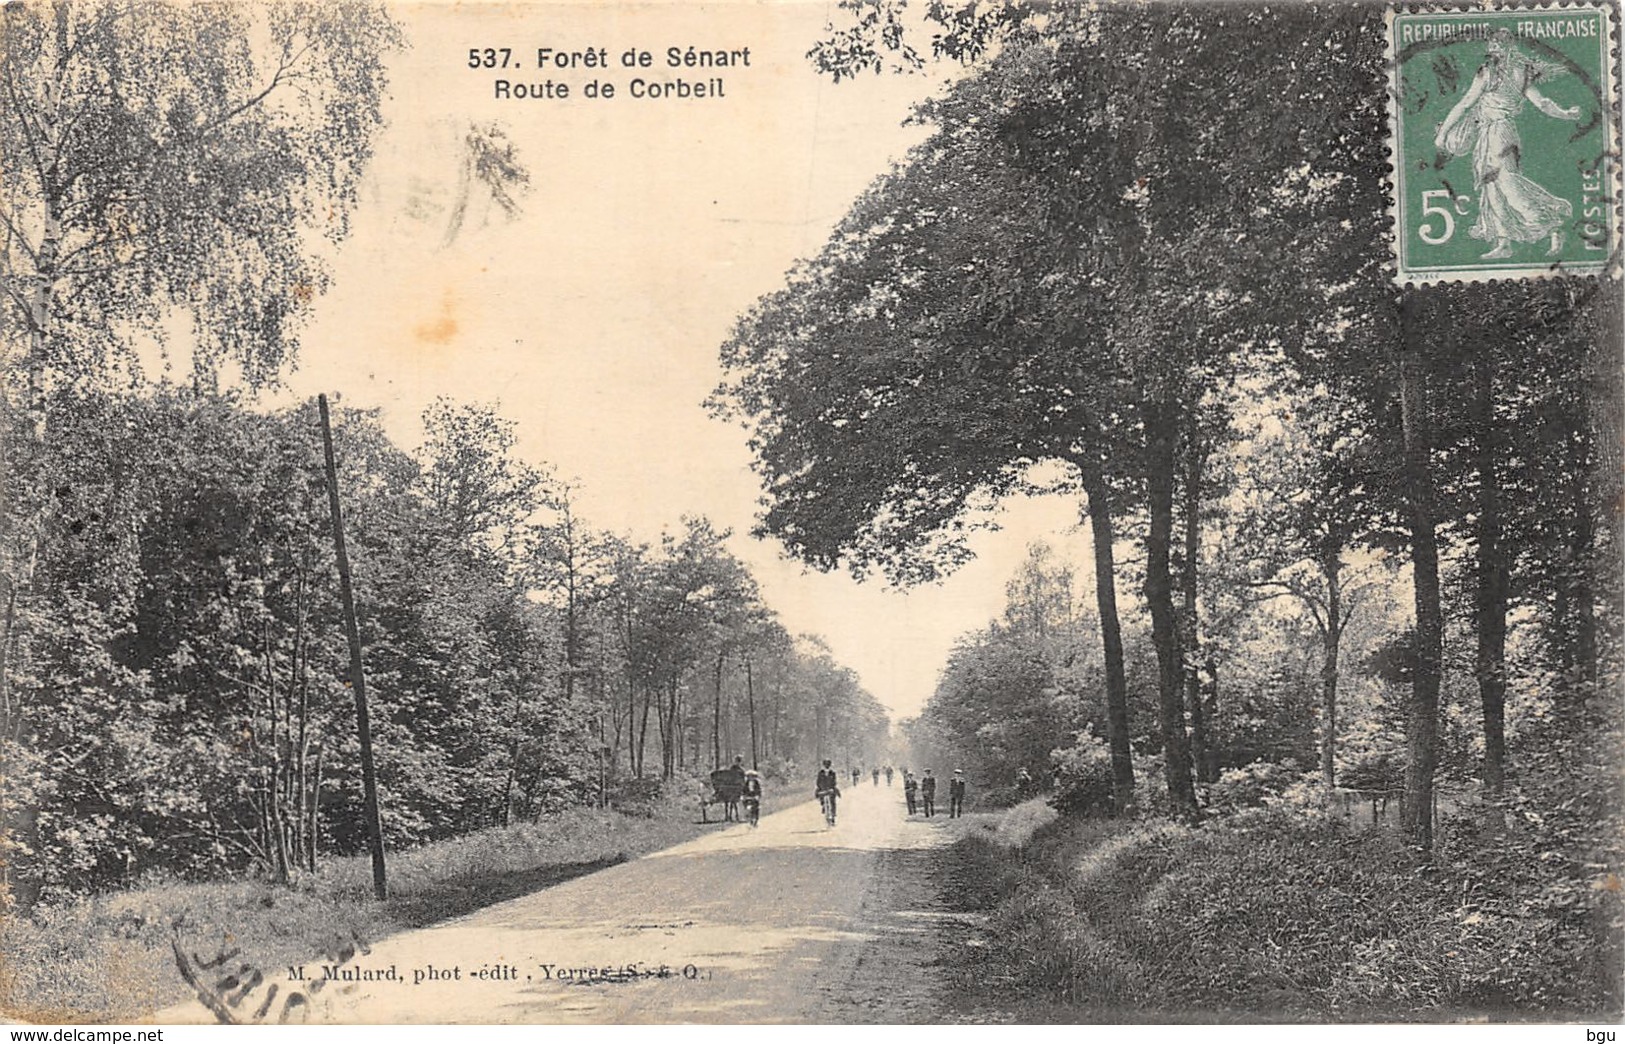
{"type": "Point", "coordinates": [1140, 261]}
{"type": "Point", "coordinates": [177, 690]}
{"type": "Point", "coordinates": [175, 685]}
{"type": "Point", "coordinates": [1143, 257]}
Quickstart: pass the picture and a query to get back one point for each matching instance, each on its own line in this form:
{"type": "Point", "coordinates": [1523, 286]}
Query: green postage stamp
{"type": "Point", "coordinates": [1505, 152]}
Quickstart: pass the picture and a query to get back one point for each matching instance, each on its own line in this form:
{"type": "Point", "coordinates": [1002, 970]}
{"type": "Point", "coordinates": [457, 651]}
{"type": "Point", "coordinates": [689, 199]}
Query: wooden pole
{"type": "Point", "coordinates": [358, 681]}
{"type": "Point", "coordinates": [750, 697]}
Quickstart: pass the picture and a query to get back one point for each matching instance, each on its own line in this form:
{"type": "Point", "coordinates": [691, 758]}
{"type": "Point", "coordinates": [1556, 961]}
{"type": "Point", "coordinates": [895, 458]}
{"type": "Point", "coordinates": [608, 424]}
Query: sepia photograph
{"type": "Point", "coordinates": [811, 512]}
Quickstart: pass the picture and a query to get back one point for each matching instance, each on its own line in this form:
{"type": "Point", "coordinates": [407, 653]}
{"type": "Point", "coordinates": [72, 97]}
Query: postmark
{"type": "Point", "coordinates": [1504, 143]}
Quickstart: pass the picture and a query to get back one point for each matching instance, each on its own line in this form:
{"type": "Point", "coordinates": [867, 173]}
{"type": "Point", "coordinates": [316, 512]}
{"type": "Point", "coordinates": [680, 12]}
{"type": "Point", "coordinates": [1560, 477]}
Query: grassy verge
{"type": "Point", "coordinates": [1272, 916]}
{"type": "Point", "coordinates": [108, 958]}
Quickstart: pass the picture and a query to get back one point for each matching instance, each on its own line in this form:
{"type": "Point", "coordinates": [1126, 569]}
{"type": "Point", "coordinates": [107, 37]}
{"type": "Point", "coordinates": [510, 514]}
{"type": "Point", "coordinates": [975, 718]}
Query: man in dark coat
{"type": "Point", "coordinates": [956, 794]}
{"type": "Point", "coordinates": [928, 793]}
{"type": "Point", "coordinates": [828, 783]}
{"type": "Point", "coordinates": [910, 790]}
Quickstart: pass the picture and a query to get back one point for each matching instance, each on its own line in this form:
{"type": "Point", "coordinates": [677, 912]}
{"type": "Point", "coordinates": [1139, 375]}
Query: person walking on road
{"type": "Point", "coordinates": [928, 793]}
{"type": "Point", "coordinates": [875, 774]}
{"type": "Point", "coordinates": [750, 793]}
{"type": "Point", "coordinates": [888, 775]}
{"type": "Point", "coordinates": [910, 789]}
{"type": "Point", "coordinates": [956, 794]}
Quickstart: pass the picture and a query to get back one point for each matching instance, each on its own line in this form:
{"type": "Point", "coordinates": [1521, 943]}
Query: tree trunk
{"type": "Point", "coordinates": [663, 729]}
{"type": "Point", "coordinates": [672, 737]}
{"type": "Point", "coordinates": [1159, 596]}
{"type": "Point", "coordinates": [7, 712]}
{"type": "Point", "coordinates": [279, 826]}
{"type": "Point", "coordinates": [1582, 540]}
{"type": "Point", "coordinates": [1493, 580]}
{"type": "Point", "coordinates": [300, 683]}
{"type": "Point", "coordinates": [315, 807]}
{"type": "Point", "coordinates": [641, 748]}
{"type": "Point", "coordinates": [1422, 719]}
{"type": "Point", "coordinates": [1188, 615]}
{"type": "Point", "coordinates": [1210, 712]}
{"type": "Point", "coordinates": [1331, 634]}
{"type": "Point", "coordinates": [716, 718]}
{"type": "Point", "coordinates": [1111, 631]}
{"type": "Point", "coordinates": [504, 817]}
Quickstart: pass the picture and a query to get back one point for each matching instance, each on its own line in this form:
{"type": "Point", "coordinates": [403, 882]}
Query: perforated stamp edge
{"type": "Point", "coordinates": [1610, 267]}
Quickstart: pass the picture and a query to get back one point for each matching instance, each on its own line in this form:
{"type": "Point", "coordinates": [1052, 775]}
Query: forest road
{"type": "Point", "coordinates": [787, 922]}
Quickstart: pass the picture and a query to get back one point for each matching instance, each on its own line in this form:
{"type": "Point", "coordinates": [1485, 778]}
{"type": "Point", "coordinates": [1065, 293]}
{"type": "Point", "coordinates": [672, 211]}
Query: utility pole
{"type": "Point", "coordinates": [750, 697]}
{"type": "Point", "coordinates": [358, 681]}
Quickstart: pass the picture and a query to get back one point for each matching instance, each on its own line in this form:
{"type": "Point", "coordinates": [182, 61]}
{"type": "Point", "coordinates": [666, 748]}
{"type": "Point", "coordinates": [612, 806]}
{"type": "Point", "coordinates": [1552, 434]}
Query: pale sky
{"type": "Point", "coordinates": [594, 319]}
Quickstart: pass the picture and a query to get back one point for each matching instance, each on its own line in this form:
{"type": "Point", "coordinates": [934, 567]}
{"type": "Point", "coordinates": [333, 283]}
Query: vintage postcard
{"type": "Point", "coordinates": [867, 512]}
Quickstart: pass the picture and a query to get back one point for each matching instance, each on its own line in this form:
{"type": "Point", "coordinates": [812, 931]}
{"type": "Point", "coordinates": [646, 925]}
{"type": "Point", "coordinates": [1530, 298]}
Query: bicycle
{"type": "Point", "coordinates": [826, 800]}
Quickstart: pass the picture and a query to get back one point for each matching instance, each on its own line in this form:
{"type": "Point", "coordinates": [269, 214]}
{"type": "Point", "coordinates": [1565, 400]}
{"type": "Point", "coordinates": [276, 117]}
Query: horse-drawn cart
{"type": "Point", "coordinates": [726, 785]}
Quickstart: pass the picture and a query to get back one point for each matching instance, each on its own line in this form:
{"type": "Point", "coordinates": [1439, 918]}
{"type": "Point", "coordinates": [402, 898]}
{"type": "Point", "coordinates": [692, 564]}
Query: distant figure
{"type": "Point", "coordinates": [910, 789]}
{"type": "Point", "coordinates": [888, 775]}
{"type": "Point", "coordinates": [857, 774]}
{"type": "Point", "coordinates": [876, 774]}
{"type": "Point", "coordinates": [1024, 783]}
{"type": "Point", "coordinates": [928, 793]}
{"type": "Point", "coordinates": [956, 794]}
{"type": "Point", "coordinates": [751, 794]}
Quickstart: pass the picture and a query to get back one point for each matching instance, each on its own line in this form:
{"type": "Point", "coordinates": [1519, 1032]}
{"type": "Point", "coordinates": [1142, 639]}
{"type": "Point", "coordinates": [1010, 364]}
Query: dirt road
{"type": "Point", "coordinates": [789, 922]}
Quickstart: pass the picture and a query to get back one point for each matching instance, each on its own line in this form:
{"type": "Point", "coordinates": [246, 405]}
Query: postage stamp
{"type": "Point", "coordinates": [1505, 154]}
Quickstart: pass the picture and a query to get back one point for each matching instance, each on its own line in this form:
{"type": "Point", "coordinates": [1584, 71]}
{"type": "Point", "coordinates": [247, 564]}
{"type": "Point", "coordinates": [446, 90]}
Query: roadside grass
{"type": "Point", "coordinates": [108, 957]}
{"type": "Point", "coordinates": [1271, 915]}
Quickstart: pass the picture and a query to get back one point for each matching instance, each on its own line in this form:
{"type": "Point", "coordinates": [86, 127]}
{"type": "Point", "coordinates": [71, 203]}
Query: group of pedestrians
{"type": "Point", "coordinates": [920, 795]}
{"type": "Point", "coordinates": [874, 774]}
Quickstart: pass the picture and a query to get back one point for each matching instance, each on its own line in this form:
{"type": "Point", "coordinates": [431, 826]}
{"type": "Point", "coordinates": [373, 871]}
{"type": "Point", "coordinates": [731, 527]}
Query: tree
{"type": "Point", "coordinates": [164, 161]}
{"type": "Point", "coordinates": [482, 493]}
{"type": "Point", "coordinates": [1012, 690]}
{"type": "Point", "coordinates": [924, 364]}
{"type": "Point", "coordinates": [1302, 502]}
{"type": "Point", "coordinates": [173, 157]}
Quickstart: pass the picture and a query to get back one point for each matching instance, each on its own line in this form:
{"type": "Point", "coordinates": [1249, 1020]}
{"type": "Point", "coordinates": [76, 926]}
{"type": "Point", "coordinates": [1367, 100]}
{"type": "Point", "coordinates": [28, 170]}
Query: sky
{"type": "Point", "coordinates": [593, 318]}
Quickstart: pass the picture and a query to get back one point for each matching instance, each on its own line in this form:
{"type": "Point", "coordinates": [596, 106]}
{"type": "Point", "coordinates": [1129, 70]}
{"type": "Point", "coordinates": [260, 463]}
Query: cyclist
{"type": "Point", "coordinates": [828, 789]}
{"type": "Point", "coordinates": [751, 794]}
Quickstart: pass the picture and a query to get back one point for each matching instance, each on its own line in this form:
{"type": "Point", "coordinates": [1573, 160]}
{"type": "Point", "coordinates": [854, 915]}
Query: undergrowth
{"type": "Point", "coordinates": [1283, 914]}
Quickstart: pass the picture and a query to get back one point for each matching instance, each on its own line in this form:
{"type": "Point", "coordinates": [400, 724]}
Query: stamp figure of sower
{"type": "Point", "coordinates": [1483, 124]}
{"type": "Point", "coordinates": [1520, 98]}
